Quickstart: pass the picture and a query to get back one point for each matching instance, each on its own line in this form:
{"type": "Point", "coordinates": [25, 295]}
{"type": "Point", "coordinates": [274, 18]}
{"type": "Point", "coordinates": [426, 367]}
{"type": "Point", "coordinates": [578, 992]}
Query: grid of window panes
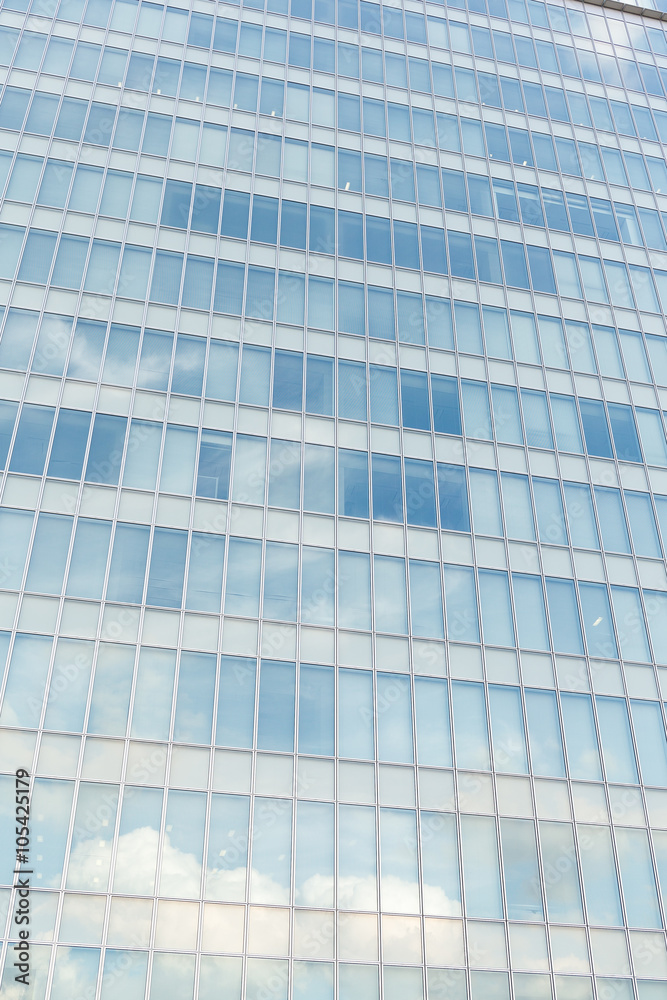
{"type": "Point", "coordinates": [333, 522]}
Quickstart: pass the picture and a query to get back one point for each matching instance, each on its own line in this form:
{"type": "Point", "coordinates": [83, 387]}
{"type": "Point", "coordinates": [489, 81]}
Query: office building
{"type": "Point", "coordinates": [334, 498]}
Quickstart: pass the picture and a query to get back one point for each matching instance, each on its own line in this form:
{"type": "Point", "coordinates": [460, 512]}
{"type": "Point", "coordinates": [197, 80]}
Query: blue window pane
{"type": "Point", "coordinates": [410, 318]}
{"type": "Point", "coordinates": [235, 214]}
{"type": "Point", "coordinates": [255, 372]}
{"type": "Point", "coordinates": [651, 741]}
{"type": "Point", "coordinates": [471, 734]}
{"type": "Point", "coordinates": [128, 563]}
{"type": "Point", "coordinates": [352, 483]}
{"type": "Point", "coordinates": [432, 722]}
{"type": "Point", "coordinates": [89, 559]}
{"type": "Point", "coordinates": [581, 520]}
{"type": "Point", "coordinates": [624, 433]}
{"type": "Point", "coordinates": [414, 400]}
{"type": "Point", "coordinates": [381, 320]}
{"type": "Point", "coordinates": [530, 612]}
{"type": "Point", "coordinates": [106, 449]}
{"type": "Point", "coordinates": [243, 574]}
{"type": "Point", "coordinates": [383, 395]}
{"type": "Point", "coordinates": [87, 349]}
{"type": "Point", "coordinates": [293, 225]}
{"type": "Point", "coordinates": [167, 567]}
{"type": "Point", "coordinates": [198, 283]}
{"type": "Point", "coordinates": [319, 385]}
{"type": "Point", "coordinates": [55, 183]}
{"type": "Point", "coordinates": [8, 412]}
{"type": "Point", "coordinates": [426, 605]}
{"type": "Point", "coordinates": [378, 240]}
{"type": "Point", "coordinates": [285, 474]}
{"type": "Point", "coordinates": [521, 872]}
{"type": "Point", "coordinates": [275, 724]}
{"type": "Point", "coordinates": [453, 498]}
{"type": "Point", "coordinates": [13, 107]}
{"type": "Point", "coordinates": [102, 267]}
{"type": "Point", "coordinates": [387, 488]}
{"type": "Point", "coordinates": [70, 120]}
{"type": "Point", "coordinates": [280, 581]}
{"type": "Point", "coordinates": [612, 519]}
{"type": "Point", "coordinates": [349, 170]}
{"type": "Point", "coordinates": [70, 261]}
{"type": "Point", "coordinates": [316, 710]}
{"type": "Point", "coordinates": [476, 409]}
{"type": "Point", "coordinates": [598, 623]}
{"type": "Point", "coordinates": [461, 604]}
{"type": "Point", "coordinates": [394, 718]}
{"type": "Point", "coordinates": [390, 595]}
{"type": "Point", "coordinates": [546, 748]}
{"type": "Point", "coordinates": [420, 493]}
{"type": "Point", "coordinates": [260, 296]}
{"type": "Point", "coordinates": [642, 524]}
{"type": "Point", "coordinates": [69, 444]}
{"type": "Point", "coordinates": [37, 256]}
{"type": "Point", "coordinates": [290, 299]}
{"type": "Point", "coordinates": [564, 616]}
{"type": "Point", "coordinates": [189, 365]}
{"type": "Point", "coordinates": [350, 235]}
{"type": "Point", "coordinates": [166, 282]}
{"type": "Point", "coordinates": [205, 209]}
{"type": "Point", "coordinates": [355, 714]}
{"type": "Point", "coordinates": [496, 609]}
{"type": "Point", "coordinates": [155, 360]}
{"type": "Point", "coordinates": [12, 238]}
{"type": "Point", "coordinates": [236, 701]}
{"type": "Point", "coordinates": [596, 431]}
{"type": "Point", "coordinates": [406, 245]}
{"type": "Point", "coordinates": [49, 553]}
{"type": "Point", "coordinates": [582, 745]}
{"type": "Point", "coordinates": [468, 327]}
{"type": "Point", "coordinates": [354, 592]}
{"type": "Point", "coordinates": [617, 750]}
{"type": "Point", "coordinates": [446, 409]}
{"type": "Point", "coordinates": [194, 699]}
{"type": "Point", "coordinates": [264, 227]}
{"type": "Point", "coordinates": [322, 231]}
{"type": "Point", "coordinates": [318, 479]}
{"type": "Point", "coordinates": [351, 308]}
{"type": "Point", "coordinates": [288, 380]}
{"type": "Point", "coordinates": [52, 344]}
{"type": "Point", "coordinates": [317, 586]}
{"type": "Point", "coordinates": [32, 439]}
{"type": "Point", "coordinates": [434, 254]}
{"type": "Point", "coordinates": [549, 509]}
{"type": "Point", "coordinates": [222, 370]}
{"type": "Point", "coordinates": [204, 590]}
{"type": "Point", "coordinates": [313, 981]}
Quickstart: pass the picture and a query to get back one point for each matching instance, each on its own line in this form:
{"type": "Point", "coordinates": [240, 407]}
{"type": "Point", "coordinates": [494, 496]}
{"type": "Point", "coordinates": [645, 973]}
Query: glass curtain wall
{"type": "Point", "coordinates": [333, 594]}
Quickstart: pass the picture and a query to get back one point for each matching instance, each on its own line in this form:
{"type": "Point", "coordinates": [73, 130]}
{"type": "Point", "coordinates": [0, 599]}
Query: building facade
{"type": "Point", "coordinates": [334, 506]}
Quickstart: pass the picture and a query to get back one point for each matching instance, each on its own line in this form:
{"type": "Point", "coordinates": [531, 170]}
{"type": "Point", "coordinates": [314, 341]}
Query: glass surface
{"type": "Point", "coordinates": [332, 423]}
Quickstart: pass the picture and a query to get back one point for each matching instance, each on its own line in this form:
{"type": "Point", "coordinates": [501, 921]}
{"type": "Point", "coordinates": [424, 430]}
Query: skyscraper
{"type": "Point", "coordinates": [334, 506]}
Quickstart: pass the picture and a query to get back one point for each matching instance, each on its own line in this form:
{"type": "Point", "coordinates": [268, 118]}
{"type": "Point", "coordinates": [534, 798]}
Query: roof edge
{"type": "Point", "coordinates": [630, 8]}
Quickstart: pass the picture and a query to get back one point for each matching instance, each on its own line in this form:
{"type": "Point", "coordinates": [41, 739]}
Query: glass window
{"type": "Point", "coordinates": [167, 568]}
{"type": "Point", "coordinates": [236, 701]}
{"type": "Point", "coordinates": [453, 498]}
{"type": "Point", "coordinates": [414, 400]}
{"type": "Point", "coordinates": [32, 439]}
{"type": "Point", "coordinates": [481, 876]}
{"type": "Point", "coordinates": [121, 354]}
{"type": "Point", "coordinates": [275, 725]}
{"type": "Point", "coordinates": [426, 599]}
